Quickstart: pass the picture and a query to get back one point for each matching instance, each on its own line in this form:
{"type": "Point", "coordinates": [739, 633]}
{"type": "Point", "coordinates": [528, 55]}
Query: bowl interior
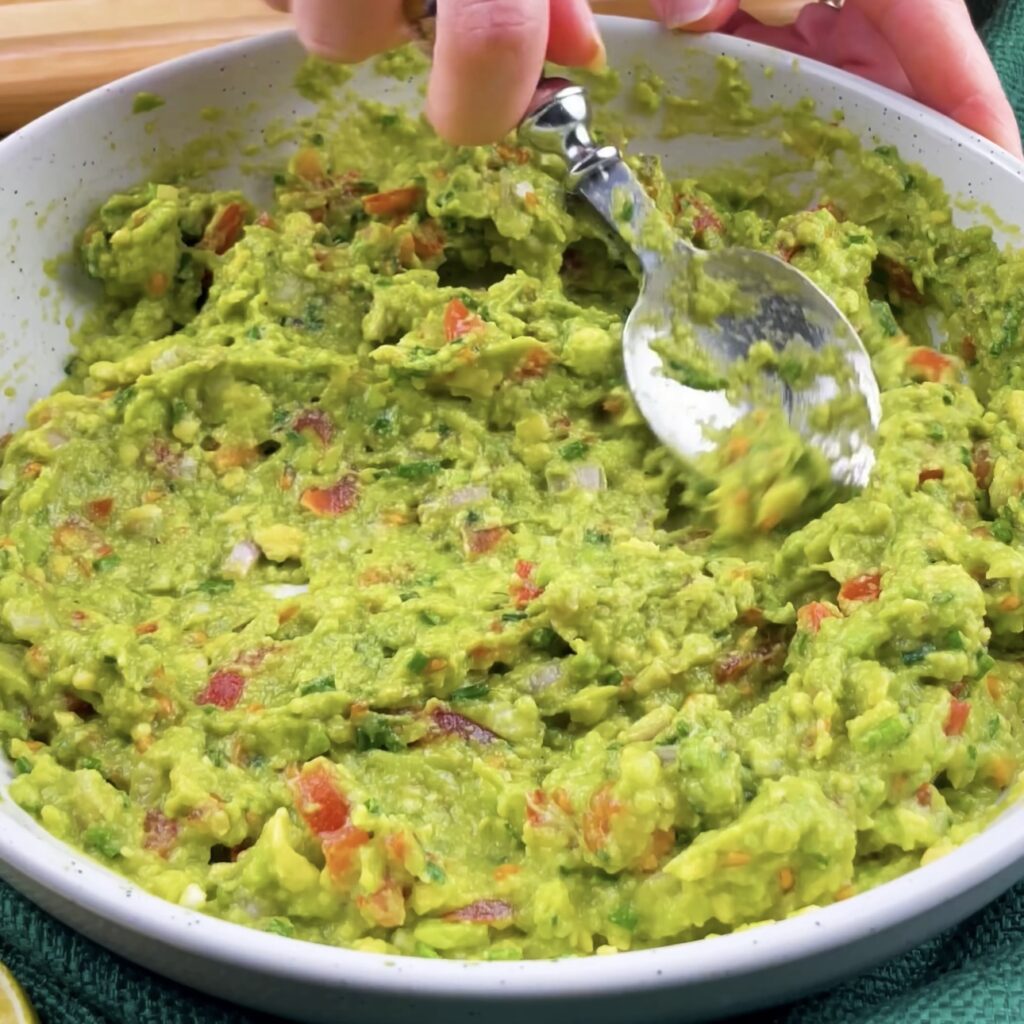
{"type": "Point", "coordinates": [55, 172]}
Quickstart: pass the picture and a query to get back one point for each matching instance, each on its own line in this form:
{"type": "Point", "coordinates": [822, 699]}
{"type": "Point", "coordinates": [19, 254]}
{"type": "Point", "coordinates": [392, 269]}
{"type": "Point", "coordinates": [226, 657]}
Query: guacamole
{"type": "Point", "coordinates": [344, 593]}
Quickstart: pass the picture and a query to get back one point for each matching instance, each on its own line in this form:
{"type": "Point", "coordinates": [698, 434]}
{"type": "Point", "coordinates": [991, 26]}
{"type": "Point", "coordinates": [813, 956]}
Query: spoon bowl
{"type": "Point", "coordinates": [832, 400]}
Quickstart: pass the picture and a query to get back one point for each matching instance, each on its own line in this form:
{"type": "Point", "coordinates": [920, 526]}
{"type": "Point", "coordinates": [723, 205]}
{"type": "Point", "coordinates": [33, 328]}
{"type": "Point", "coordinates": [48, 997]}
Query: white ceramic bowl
{"type": "Point", "coordinates": [52, 174]}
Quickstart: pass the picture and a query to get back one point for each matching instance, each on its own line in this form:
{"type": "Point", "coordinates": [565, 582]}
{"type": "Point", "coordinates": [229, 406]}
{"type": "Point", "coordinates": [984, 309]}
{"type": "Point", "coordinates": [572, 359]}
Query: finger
{"type": "Point", "coordinates": [279, 5]}
{"type": "Point", "coordinates": [844, 38]}
{"type": "Point", "coordinates": [946, 63]}
{"type": "Point", "coordinates": [695, 15]}
{"type": "Point", "coordinates": [345, 30]}
{"type": "Point", "coordinates": [573, 38]}
{"type": "Point", "coordinates": [488, 57]}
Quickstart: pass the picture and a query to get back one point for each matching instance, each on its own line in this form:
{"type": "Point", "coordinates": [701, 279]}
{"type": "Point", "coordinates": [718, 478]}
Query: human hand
{"type": "Point", "coordinates": [927, 49]}
{"type": "Point", "coordinates": [488, 54]}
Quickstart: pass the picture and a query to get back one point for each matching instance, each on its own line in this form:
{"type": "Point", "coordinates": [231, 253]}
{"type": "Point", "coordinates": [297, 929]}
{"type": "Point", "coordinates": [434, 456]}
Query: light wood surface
{"type": "Point", "coordinates": [53, 50]}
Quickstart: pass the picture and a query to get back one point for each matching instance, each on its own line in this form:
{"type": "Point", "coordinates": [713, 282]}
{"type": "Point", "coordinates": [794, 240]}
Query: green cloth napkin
{"type": "Point", "coordinates": [971, 974]}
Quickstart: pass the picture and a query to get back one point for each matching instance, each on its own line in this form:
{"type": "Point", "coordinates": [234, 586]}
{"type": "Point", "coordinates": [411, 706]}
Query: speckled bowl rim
{"type": "Point", "coordinates": [91, 887]}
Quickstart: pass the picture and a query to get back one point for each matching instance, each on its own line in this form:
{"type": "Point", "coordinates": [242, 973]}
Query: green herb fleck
{"type": "Point", "coordinates": [573, 450]}
{"type": "Point", "coordinates": [216, 586]}
{"type": "Point", "coordinates": [418, 470]}
{"type": "Point", "coordinates": [102, 841]}
{"type": "Point", "coordinates": [418, 662]}
{"type": "Point", "coordinates": [435, 873]}
{"type": "Point", "coordinates": [324, 684]}
{"type": "Point", "coordinates": [471, 691]}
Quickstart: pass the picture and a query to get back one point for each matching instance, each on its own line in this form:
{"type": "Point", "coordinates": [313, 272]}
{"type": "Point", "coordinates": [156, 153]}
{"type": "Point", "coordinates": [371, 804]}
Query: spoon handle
{"type": "Point", "coordinates": [559, 122]}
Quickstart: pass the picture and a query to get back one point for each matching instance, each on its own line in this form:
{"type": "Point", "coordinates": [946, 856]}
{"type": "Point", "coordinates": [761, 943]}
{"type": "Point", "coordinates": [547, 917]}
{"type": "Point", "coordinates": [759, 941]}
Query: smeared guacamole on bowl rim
{"type": "Point", "coordinates": [344, 594]}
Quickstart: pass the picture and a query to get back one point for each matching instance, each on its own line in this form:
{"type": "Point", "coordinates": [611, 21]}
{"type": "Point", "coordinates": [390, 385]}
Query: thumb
{"type": "Point", "coordinates": [695, 15]}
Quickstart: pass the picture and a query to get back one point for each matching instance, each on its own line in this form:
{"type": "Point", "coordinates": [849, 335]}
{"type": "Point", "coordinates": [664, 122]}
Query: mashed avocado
{"type": "Point", "coordinates": [344, 594]}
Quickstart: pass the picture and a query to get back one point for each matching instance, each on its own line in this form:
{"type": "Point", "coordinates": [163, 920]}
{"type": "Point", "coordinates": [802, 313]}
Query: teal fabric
{"type": "Point", "coordinates": [972, 975]}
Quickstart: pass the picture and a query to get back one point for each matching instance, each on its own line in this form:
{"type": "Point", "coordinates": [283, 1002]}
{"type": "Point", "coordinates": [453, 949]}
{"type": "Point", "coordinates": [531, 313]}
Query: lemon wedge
{"type": "Point", "coordinates": [14, 1005]}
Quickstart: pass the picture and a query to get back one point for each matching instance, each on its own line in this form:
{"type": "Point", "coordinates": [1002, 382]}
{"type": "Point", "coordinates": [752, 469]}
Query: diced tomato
{"type": "Point", "coordinates": [480, 542]}
{"type": "Point", "coordinates": [981, 466]}
{"type": "Point", "coordinates": [733, 665]}
{"type": "Point", "coordinates": [482, 912]}
{"type": "Point", "coordinates": [968, 350]}
{"type": "Point", "coordinates": [597, 819]}
{"type": "Point", "coordinates": [534, 365]}
{"type": "Point", "coordinates": [428, 240]}
{"type": "Point", "coordinates": [959, 710]}
{"type": "Point", "coordinates": [224, 229]}
{"type": "Point", "coordinates": [513, 154]}
{"type": "Point", "coordinates": [160, 833]}
{"type": "Point", "coordinates": [316, 420]}
{"type": "Point", "coordinates": [145, 628]}
{"type": "Point", "coordinates": [224, 689]}
{"type": "Point", "coordinates": [524, 569]}
{"type": "Point", "coordinates": [396, 203]}
{"type": "Point", "coordinates": [832, 208]}
{"type": "Point", "coordinates": [340, 848]}
{"type": "Point", "coordinates": [535, 805]}
{"type": "Point", "coordinates": [811, 616]}
{"type": "Point", "coordinates": [233, 457]}
{"type": "Point", "coordinates": [523, 593]}
{"type": "Point", "coordinates": [862, 588]}
{"type": "Point", "coordinates": [738, 663]}
{"type": "Point", "coordinates": [386, 907]}
{"type": "Point", "coordinates": [927, 364]}
{"type": "Point", "coordinates": [923, 794]}
{"type": "Point", "coordinates": [264, 220]}
{"type": "Point", "coordinates": [930, 474]}
{"type": "Point", "coordinates": [320, 802]}
{"type": "Point", "coordinates": [334, 500]}
{"type": "Point", "coordinates": [901, 280]}
{"type": "Point", "coordinates": [705, 219]}
{"type": "Point", "coordinates": [99, 510]}
{"type": "Point", "coordinates": [458, 321]}
{"type": "Point", "coordinates": [75, 535]}
{"type": "Point", "coordinates": [451, 723]}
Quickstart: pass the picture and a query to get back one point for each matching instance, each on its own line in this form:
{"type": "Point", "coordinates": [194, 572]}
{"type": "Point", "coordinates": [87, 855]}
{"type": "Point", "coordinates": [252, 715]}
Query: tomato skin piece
{"type": "Point", "coordinates": [811, 616]}
{"type": "Point", "coordinates": [99, 511]}
{"type": "Point", "coordinates": [597, 819]}
{"type": "Point", "coordinates": [930, 474]}
{"type": "Point", "coordinates": [161, 833]}
{"type": "Point", "coordinates": [458, 321]}
{"type": "Point", "coordinates": [224, 229]}
{"type": "Point", "coordinates": [956, 720]}
{"type": "Point", "coordinates": [340, 848]}
{"type": "Point", "coordinates": [224, 689]}
{"type": "Point", "coordinates": [482, 912]}
{"type": "Point", "coordinates": [321, 804]}
{"type": "Point", "coordinates": [523, 593]}
{"type": "Point", "coordinates": [336, 500]}
{"type": "Point", "coordinates": [395, 203]}
{"type": "Point", "coordinates": [867, 587]}
{"type": "Point", "coordinates": [928, 364]}
{"type": "Point", "coordinates": [480, 542]}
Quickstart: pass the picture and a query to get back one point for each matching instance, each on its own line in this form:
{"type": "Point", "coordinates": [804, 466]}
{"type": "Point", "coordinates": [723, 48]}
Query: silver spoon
{"type": "Point", "coordinates": [778, 304]}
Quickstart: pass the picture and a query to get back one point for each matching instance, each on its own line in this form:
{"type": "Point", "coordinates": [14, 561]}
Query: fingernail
{"type": "Point", "coordinates": [680, 13]}
{"type": "Point", "coordinates": [599, 62]}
